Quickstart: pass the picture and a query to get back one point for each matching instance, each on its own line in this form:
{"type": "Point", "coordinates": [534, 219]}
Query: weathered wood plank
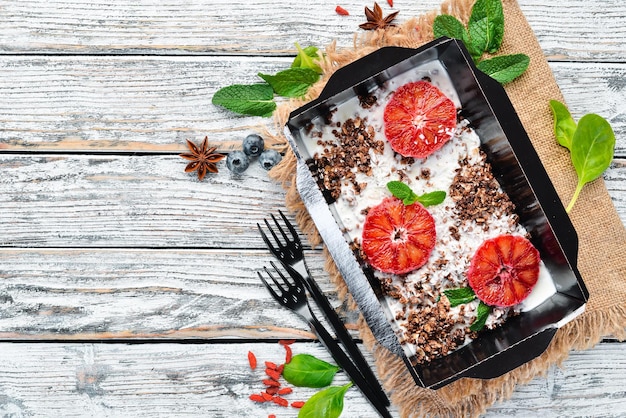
{"type": "Point", "coordinates": [151, 104]}
{"type": "Point", "coordinates": [53, 294]}
{"type": "Point", "coordinates": [146, 201]}
{"type": "Point", "coordinates": [77, 380]}
{"type": "Point", "coordinates": [567, 30]}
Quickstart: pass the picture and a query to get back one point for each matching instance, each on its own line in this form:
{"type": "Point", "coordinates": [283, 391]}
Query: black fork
{"type": "Point", "coordinates": [289, 252]}
{"type": "Point", "coordinates": [290, 292]}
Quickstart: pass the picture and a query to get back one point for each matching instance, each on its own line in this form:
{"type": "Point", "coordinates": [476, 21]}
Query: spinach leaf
{"type": "Point", "coordinates": [293, 82]}
{"type": "Point", "coordinates": [592, 150]}
{"type": "Point", "coordinates": [254, 99]}
{"type": "Point", "coordinates": [505, 68]}
{"type": "Point", "coordinates": [486, 25]}
{"type": "Point", "coordinates": [309, 371]}
{"type": "Point", "coordinates": [327, 403]}
{"type": "Point", "coordinates": [564, 124]}
{"type": "Point", "coordinates": [460, 295]}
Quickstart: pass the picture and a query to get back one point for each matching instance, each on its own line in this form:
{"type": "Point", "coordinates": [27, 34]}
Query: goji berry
{"type": "Point", "coordinates": [297, 404]}
{"type": "Point", "coordinates": [390, 2]}
{"type": "Point", "coordinates": [272, 390]}
{"type": "Point", "coordinates": [266, 396]}
{"type": "Point", "coordinates": [278, 400]}
{"type": "Point", "coordinates": [341, 11]}
{"type": "Point", "coordinates": [286, 342]}
{"type": "Point", "coordinates": [280, 368]}
{"type": "Point", "coordinates": [257, 398]}
{"type": "Point", "coordinates": [271, 416]}
{"type": "Point", "coordinates": [271, 365]}
{"type": "Point", "coordinates": [252, 360]}
{"type": "Point", "coordinates": [288, 353]}
{"type": "Point", "coordinates": [273, 374]}
{"type": "Point", "coordinates": [284, 391]}
{"type": "Point", "coordinates": [271, 382]}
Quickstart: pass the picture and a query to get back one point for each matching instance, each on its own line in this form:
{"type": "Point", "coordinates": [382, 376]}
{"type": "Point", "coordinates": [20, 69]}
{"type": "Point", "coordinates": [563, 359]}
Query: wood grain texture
{"type": "Point", "coordinates": [214, 380]}
{"type": "Point", "coordinates": [228, 27]}
{"type": "Point", "coordinates": [81, 201]}
{"type": "Point", "coordinates": [152, 104]}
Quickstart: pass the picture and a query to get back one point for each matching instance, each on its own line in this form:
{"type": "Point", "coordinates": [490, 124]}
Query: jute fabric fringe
{"type": "Point", "coordinates": [602, 236]}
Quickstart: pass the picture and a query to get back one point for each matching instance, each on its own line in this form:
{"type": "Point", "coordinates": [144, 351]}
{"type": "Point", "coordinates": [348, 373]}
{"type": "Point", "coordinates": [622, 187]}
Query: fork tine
{"type": "Point", "coordinates": [280, 228]}
{"type": "Point", "coordinates": [265, 238]}
{"type": "Point", "coordinates": [292, 230]}
{"type": "Point", "coordinates": [270, 288]}
{"type": "Point", "coordinates": [276, 239]}
{"type": "Point", "coordinates": [282, 276]}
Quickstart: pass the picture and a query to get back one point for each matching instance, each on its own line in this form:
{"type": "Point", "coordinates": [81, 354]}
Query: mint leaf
{"type": "Point", "coordinates": [450, 26]}
{"type": "Point", "coordinates": [293, 82]}
{"type": "Point", "coordinates": [505, 68]}
{"type": "Point", "coordinates": [327, 403]}
{"type": "Point", "coordinates": [486, 25]}
{"type": "Point", "coordinates": [306, 57]}
{"type": "Point", "coordinates": [402, 192]}
{"type": "Point", "coordinates": [482, 312]}
{"type": "Point", "coordinates": [593, 145]}
{"type": "Point", "coordinates": [432, 198]}
{"type": "Point", "coordinates": [564, 124]}
{"type": "Point", "coordinates": [309, 371]}
{"type": "Point", "coordinates": [254, 99]}
{"type": "Point", "coordinates": [460, 295]}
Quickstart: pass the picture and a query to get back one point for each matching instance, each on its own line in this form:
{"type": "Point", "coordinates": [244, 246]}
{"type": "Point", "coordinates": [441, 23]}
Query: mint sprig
{"type": "Point", "coordinates": [484, 34]}
{"type": "Point", "coordinates": [408, 196]}
{"type": "Point", "coordinates": [591, 143]}
{"type": "Point", "coordinates": [482, 313]}
{"type": "Point", "coordinates": [258, 99]}
{"type": "Point", "coordinates": [460, 295]}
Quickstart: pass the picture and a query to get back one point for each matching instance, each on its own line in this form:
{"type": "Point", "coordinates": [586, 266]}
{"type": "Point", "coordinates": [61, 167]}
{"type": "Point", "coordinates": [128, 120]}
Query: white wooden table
{"type": "Point", "coordinates": [127, 287]}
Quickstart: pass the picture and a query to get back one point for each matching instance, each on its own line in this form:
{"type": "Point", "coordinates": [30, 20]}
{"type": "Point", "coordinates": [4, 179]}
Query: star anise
{"type": "Point", "coordinates": [203, 159]}
{"type": "Point", "coordinates": [375, 19]}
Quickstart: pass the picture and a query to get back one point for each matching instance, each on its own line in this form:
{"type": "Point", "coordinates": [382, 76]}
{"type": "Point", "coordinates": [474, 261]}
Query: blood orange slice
{"type": "Point", "coordinates": [504, 270]}
{"type": "Point", "coordinates": [398, 238]}
{"type": "Point", "coordinates": [419, 119]}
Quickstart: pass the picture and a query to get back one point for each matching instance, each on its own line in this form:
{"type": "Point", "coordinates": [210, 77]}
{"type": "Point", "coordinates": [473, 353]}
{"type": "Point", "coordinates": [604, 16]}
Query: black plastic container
{"type": "Point", "coordinates": [518, 169]}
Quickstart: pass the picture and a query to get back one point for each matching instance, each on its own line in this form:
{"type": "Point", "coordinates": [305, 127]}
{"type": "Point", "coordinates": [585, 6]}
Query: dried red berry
{"type": "Point", "coordinates": [266, 396]}
{"type": "Point", "coordinates": [272, 390]}
{"type": "Point", "coordinates": [271, 365]}
{"type": "Point", "coordinates": [341, 11]}
{"type": "Point", "coordinates": [272, 373]}
{"type": "Point", "coordinates": [271, 416]}
{"type": "Point", "coordinates": [297, 404]}
{"type": "Point", "coordinates": [278, 400]}
{"type": "Point", "coordinates": [252, 360]}
{"type": "Point", "coordinates": [257, 398]}
{"type": "Point", "coordinates": [280, 368]}
{"type": "Point", "coordinates": [271, 382]}
{"type": "Point", "coordinates": [284, 391]}
{"type": "Point", "coordinates": [288, 353]}
{"type": "Point", "coordinates": [286, 342]}
{"type": "Point", "coordinates": [390, 3]}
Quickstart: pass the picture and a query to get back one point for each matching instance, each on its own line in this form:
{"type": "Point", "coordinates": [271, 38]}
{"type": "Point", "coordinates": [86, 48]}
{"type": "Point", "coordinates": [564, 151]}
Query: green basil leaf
{"type": "Point", "coordinates": [505, 68]}
{"type": "Point", "coordinates": [293, 82]}
{"type": "Point", "coordinates": [460, 295]}
{"type": "Point", "coordinates": [327, 403]}
{"type": "Point", "coordinates": [593, 145]}
{"type": "Point", "coordinates": [309, 371]}
{"type": "Point", "coordinates": [305, 58]}
{"type": "Point", "coordinates": [402, 192]}
{"type": "Point", "coordinates": [254, 99]}
{"type": "Point", "coordinates": [482, 312]}
{"type": "Point", "coordinates": [486, 25]}
{"type": "Point", "coordinates": [432, 198]}
{"type": "Point", "coordinates": [564, 124]}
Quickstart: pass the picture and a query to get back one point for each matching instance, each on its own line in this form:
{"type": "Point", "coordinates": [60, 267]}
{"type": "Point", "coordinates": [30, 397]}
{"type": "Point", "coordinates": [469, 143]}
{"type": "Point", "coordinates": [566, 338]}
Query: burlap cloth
{"type": "Point", "coordinates": [602, 236]}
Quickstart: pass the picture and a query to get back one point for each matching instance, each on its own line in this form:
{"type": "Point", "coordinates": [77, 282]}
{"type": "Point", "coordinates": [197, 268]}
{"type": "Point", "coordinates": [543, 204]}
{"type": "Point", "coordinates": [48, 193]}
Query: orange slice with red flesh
{"type": "Point", "coordinates": [419, 119]}
{"type": "Point", "coordinates": [504, 270]}
{"type": "Point", "coordinates": [398, 238]}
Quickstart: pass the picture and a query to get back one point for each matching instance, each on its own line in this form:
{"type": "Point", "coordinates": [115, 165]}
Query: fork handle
{"type": "Point", "coordinates": [347, 365]}
{"type": "Point", "coordinates": [342, 333]}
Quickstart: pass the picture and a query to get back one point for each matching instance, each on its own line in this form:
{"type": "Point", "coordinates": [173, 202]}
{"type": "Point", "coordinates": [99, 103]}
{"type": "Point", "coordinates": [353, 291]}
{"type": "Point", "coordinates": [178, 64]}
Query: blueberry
{"type": "Point", "coordinates": [237, 162]}
{"type": "Point", "coordinates": [269, 158]}
{"type": "Point", "coordinates": [253, 145]}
